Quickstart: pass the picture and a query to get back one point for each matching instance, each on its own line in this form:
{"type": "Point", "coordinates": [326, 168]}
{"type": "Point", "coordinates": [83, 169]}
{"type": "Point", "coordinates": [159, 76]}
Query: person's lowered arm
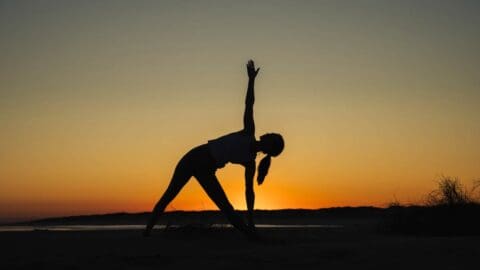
{"type": "Point", "coordinates": [249, 193]}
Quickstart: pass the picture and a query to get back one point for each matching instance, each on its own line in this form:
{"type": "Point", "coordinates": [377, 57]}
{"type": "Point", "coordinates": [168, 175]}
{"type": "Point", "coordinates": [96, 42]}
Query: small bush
{"type": "Point", "coordinates": [451, 192]}
{"type": "Point", "coordinates": [451, 209]}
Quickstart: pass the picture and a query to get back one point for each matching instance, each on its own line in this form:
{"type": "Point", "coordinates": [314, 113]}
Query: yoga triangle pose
{"type": "Point", "coordinates": [239, 147]}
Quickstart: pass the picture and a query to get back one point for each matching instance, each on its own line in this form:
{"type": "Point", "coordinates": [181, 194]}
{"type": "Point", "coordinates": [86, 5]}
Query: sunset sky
{"type": "Point", "coordinates": [100, 99]}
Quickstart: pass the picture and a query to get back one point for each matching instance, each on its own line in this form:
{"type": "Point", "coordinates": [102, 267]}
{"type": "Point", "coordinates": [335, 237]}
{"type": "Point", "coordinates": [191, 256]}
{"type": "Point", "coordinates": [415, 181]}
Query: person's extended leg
{"type": "Point", "coordinates": [212, 187]}
{"type": "Point", "coordinates": [180, 177]}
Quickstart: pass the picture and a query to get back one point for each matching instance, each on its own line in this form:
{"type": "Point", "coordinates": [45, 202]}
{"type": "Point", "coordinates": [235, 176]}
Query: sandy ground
{"type": "Point", "coordinates": [224, 248]}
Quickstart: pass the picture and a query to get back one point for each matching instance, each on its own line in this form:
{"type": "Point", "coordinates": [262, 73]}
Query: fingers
{"type": "Point", "coordinates": [251, 68]}
{"type": "Point", "coordinates": [250, 64]}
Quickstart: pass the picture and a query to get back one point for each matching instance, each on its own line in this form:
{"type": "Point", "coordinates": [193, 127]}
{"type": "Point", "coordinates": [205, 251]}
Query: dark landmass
{"type": "Point", "coordinates": [370, 238]}
{"type": "Point", "coordinates": [226, 248]}
{"type": "Point", "coordinates": [455, 219]}
{"type": "Point", "coordinates": [421, 220]}
{"type": "Point", "coordinates": [327, 216]}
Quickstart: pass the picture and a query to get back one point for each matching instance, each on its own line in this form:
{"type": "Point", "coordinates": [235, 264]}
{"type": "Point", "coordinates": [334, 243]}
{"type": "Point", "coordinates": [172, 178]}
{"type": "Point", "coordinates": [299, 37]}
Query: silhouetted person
{"type": "Point", "coordinates": [239, 147]}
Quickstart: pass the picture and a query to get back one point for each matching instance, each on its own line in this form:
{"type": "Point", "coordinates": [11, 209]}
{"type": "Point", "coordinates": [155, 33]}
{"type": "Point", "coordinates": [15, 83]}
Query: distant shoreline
{"type": "Point", "coordinates": [280, 216]}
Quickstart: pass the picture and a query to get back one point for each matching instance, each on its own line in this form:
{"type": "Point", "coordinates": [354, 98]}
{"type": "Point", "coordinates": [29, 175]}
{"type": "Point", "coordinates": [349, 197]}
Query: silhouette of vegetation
{"type": "Point", "coordinates": [451, 192]}
{"type": "Point", "coordinates": [451, 209]}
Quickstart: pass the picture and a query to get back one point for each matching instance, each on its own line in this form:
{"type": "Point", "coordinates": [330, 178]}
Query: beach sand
{"type": "Point", "coordinates": [225, 248]}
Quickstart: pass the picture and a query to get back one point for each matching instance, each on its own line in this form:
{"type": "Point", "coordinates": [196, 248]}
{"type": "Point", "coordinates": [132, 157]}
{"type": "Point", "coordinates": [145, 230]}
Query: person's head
{"type": "Point", "coordinates": [272, 145]}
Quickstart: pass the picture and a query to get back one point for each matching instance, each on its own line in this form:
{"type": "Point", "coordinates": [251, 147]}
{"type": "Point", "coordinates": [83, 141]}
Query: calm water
{"type": "Point", "coordinates": [141, 227]}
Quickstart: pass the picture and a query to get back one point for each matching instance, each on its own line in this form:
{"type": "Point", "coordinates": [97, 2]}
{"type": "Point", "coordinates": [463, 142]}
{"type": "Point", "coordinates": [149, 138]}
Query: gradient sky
{"type": "Point", "coordinates": [100, 99]}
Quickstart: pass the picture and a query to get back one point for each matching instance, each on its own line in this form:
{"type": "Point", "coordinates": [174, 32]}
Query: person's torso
{"type": "Point", "coordinates": [237, 147]}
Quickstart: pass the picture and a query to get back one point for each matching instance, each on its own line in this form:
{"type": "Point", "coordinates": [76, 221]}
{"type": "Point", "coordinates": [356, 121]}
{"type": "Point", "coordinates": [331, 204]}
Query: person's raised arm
{"type": "Point", "coordinates": [249, 193]}
{"type": "Point", "coordinates": [248, 122]}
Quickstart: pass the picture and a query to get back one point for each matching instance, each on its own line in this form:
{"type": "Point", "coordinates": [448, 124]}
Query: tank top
{"type": "Point", "coordinates": [236, 147]}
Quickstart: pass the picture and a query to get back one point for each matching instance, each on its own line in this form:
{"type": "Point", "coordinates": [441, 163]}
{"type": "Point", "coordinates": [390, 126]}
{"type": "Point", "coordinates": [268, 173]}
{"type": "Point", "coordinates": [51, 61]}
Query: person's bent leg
{"type": "Point", "coordinates": [212, 187]}
{"type": "Point", "coordinates": [180, 177]}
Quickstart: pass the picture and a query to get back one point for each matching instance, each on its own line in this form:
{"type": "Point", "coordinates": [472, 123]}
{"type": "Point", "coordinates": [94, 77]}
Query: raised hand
{"type": "Point", "coordinates": [252, 72]}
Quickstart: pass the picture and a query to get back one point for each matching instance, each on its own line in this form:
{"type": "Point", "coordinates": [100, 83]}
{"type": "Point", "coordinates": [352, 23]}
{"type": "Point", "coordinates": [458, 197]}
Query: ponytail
{"type": "Point", "coordinates": [263, 169]}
